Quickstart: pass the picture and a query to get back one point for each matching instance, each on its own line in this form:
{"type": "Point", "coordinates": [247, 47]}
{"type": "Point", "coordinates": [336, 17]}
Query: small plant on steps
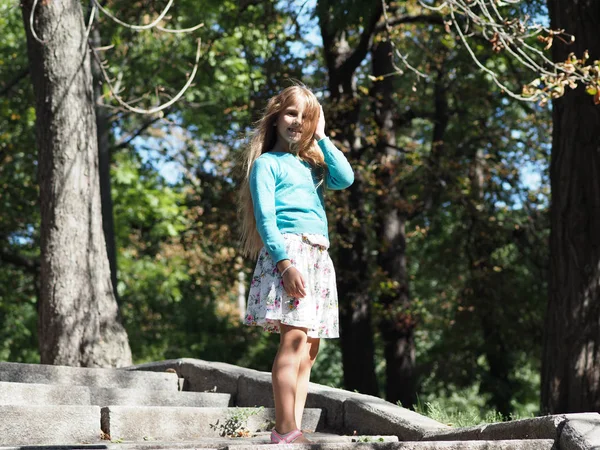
{"type": "Point", "coordinates": [236, 424]}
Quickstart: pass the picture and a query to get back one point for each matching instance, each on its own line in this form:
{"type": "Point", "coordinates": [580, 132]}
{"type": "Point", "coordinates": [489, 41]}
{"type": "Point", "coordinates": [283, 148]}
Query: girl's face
{"type": "Point", "coordinates": [289, 124]}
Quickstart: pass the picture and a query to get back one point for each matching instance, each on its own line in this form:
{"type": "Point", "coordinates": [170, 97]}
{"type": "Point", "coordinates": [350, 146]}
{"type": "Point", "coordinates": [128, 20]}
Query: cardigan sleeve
{"type": "Point", "coordinates": [262, 189]}
{"type": "Point", "coordinates": [339, 172]}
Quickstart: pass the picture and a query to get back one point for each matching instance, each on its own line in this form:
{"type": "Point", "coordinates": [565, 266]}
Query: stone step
{"type": "Point", "coordinates": [141, 397]}
{"type": "Point", "coordinates": [47, 394]}
{"type": "Point", "coordinates": [42, 394]}
{"type": "Point", "coordinates": [37, 425]}
{"type": "Point", "coordinates": [204, 443]}
{"type": "Point", "coordinates": [84, 376]}
{"type": "Point", "coordinates": [320, 438]}
{"type": "Point", "coordinates": [133, 423]}
{"type": "Point", "coordinates": [320, 442]}
{"type": "Point", "coordinates": [530, 444]}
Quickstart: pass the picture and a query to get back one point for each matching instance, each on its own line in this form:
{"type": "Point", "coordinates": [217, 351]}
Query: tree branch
{"type": "Point", "coordinates": [352, 62]}
{"type": "Point", "coordinates": [326, 37]}
{"type": "Point", "coordinates": [395, 51]}
{"type": "Point", "coordinates": [513, 36]}
{"type": "Point", "coordinates": [31, 20]}
{"type": "Point", "coordinates": [134, 109]}
{"type": "Point", "coordinates": [125, 142]}
{"type": "Point", "coordinates": [179, 30]}
{"type": "Point", "coordinates": [154, 23]}
{"type": "Point", "coordinates": [432, 19]}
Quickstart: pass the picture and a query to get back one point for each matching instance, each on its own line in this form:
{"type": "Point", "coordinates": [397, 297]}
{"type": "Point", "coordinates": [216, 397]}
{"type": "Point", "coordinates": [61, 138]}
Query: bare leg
{"type": "Point", "coordinates": [292, 349]}
{"type": "Point", "coordinates": [312, 349]}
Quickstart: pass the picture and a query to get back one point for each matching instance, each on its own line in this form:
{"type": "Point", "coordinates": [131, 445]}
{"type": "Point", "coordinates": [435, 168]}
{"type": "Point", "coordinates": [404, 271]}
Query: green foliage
{"type": "Point", "coordinates": [164, 305]}
{"type": "Point", "coordinates": [347, 15]}
{"type": "Point", "coordinates": [462, 416]}
{"type": "Point", "coordinates": [328, 368]}
{"type": "Point", "coordinates": [147, 214]}
{"type": "Point", "coordinates": [235, 425]}
{"type": "Point", "coordinates": [143, 203]}
{"type": "Point", "coordinates": [19, 218]}
{"type": "Point", "coordinates": [18, 317]}
{"type": "Point", "coordinates": [367, 439]}
{"type": "Point", "coordinates": [468, 398]}
{"type": "Point", "coordinates": [465, 406]}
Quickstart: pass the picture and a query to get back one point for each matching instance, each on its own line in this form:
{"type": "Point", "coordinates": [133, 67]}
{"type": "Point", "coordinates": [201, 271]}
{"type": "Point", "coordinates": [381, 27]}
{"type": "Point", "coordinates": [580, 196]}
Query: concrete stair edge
{"type": "Point", "coordinates": [159, 398]}
{"type": "Point", "coordinates": [243, 443]}
{"type": "Point", "coordinates": [86, 376]}
{"type": "Point", "coordinates": [188, 423]}
{"type": "Point", "coordinates": [528, 444]}
{"type": "Point", "coordinates": [15, 393]}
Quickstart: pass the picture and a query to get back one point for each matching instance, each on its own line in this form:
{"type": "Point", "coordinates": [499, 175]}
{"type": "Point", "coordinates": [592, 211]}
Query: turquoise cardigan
{"type": "Point", "coordinates": [287, 197]}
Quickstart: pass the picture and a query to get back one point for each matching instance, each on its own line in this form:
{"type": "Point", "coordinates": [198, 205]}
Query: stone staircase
{"type": "Point", "coordinates": [194, 404]}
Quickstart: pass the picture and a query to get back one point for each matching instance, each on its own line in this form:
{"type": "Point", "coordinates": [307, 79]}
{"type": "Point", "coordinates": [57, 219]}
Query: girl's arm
{"type": "Point", "coordinates": [262, 189]}
{"type": "Point", "coordinates": [339, 172]}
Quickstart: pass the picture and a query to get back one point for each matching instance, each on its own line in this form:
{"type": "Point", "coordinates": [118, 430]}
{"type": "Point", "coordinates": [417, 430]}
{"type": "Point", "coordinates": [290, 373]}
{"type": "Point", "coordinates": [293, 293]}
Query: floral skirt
{"type": "Point", "coordinates": [268, 303]}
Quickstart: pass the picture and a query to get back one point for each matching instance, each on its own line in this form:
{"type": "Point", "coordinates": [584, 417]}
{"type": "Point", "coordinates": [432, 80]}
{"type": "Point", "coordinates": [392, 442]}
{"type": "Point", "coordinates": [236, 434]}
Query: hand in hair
{"type": "Point", "coordinates": [320, 131]}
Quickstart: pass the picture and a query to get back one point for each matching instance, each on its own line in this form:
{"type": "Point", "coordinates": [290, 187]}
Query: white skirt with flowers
{"type": "Point", "coordinates": [268, 303]}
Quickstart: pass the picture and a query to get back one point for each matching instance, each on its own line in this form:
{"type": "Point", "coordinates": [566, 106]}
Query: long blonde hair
{"type": "Point", "coordinates": [262, 140]}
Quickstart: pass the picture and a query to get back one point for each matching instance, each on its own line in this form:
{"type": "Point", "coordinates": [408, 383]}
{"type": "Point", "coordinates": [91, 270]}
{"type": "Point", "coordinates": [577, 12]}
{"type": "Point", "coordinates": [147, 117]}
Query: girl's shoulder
{"type": "Point", "coordinates": [271, 159]}
{"type": "Point", "coordinates": [274, 155]}
{"type": "Point", "coordinates": [268, 161]}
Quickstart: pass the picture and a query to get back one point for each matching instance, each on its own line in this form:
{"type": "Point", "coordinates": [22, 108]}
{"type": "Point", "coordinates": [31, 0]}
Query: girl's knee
{"type": "Point", "coordinates": [293, 339]}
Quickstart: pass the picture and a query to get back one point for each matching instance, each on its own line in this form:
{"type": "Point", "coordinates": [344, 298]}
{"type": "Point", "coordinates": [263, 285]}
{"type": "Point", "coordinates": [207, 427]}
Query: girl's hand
{"type": "Point", "coordinates": [293, 283]}
{"type": "Point", "coordinates": [320, 131]}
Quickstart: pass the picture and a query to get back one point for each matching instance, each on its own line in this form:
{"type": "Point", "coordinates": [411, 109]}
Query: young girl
{"type": "Point", "coordinates": [289, 163]}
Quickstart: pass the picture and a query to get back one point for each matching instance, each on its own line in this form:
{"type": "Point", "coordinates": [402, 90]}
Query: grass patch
{"type": "Point", "coordinates": [458, 417]}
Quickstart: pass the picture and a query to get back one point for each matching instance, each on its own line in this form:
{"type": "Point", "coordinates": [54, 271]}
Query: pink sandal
{"type": "Point", "coordinates": [287, 438]}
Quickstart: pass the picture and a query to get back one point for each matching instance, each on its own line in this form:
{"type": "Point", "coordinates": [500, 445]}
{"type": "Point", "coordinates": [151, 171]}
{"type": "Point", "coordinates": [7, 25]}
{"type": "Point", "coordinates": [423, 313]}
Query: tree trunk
{"type": "Point", "coordinates": [79, 319]}
{"type": "Point", "coordinates": [570, 364]}
{"type": "Point", "coordinates": [358, 346]}
{"type": "Point", "coordinates": [357, 343]}
{"type": "Point", "coordinates": [104, 161]}
{"type": "Point", "coordinates": [397, 323]}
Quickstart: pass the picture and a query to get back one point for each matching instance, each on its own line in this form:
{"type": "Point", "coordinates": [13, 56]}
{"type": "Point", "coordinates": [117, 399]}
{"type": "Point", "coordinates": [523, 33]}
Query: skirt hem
{"type": "Point", "coordinates": [272, 326]}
